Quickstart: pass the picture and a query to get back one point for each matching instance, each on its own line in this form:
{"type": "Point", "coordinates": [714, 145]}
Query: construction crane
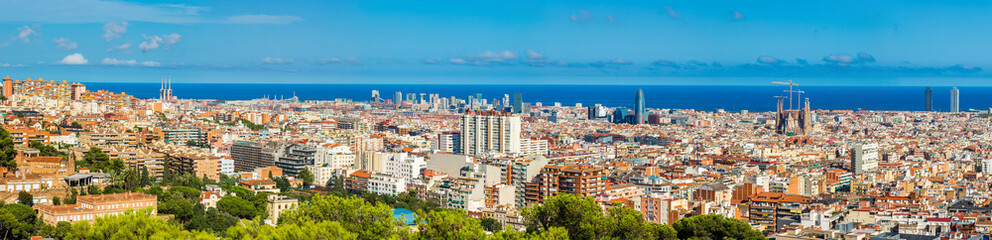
{"type": "Point", "coordinates": [791, 84]}
{"type": "Point", "coordinates": [799, 97]}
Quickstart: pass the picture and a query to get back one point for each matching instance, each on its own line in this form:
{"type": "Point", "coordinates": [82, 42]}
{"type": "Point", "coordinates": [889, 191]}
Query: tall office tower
{"type": "Point", "coordinates": [8, 87]}
{"type": "Point", "coordinates": [620, 115]}
{"type": "Point", "coordinates": [410, 97]}
{"type": "Point", "coordinates": [955, 97]}
{"type": "Point", "coordinates": [864, 157]}
{"type": "Point", "coordinates": [398, 98]}
{"type": "Point", "coordinates": [639, 114]}
{"type": "Point", "coordinates": [928, 100]}
{"type": "Point", "coordinates": [592, 112]}
{"type": "Point", "coordinates": [485, 132]}
{"type": "Point", "coordinates": [423, 98]}
{"type": "Point", "coordinates": [518, 103]}
{"type": "Point", "coordinates": [375, 96]}
{"type": "Point", "coordinates": [506, 100]}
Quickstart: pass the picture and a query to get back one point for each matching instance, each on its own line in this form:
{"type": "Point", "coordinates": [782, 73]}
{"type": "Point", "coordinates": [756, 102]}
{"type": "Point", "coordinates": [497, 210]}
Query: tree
{"type": "Point", "coordinates": [715, 227]}
{"type": "Point", "coordinates": [306, 176]}
{"type": "Point", "coordinates": [491, 225]}
{"type": "Point", "coordinates": [303, 230]}
{"type": "Point", "coordinates": [581, 217]}
{"type": "Point", "coordinates": [237, 206]}
{"type": "Point", "coordinates": [282, 183]}
{"type": "Point", "coordinates": [7, 151]}
{"type": "Point", "coordinates": [71, 199]}
{"type": "Point", "coordinates": [93, 189]}
{"type": "Point", "coordinates": [132, 225]}
{"type": "Point", "coordinates": [25, 198]}
{"type": "Point", "coordinates": [448, 224]}
{"type": "Point", "coordinates": [55, 201]}
{"type": "Point", "coordinates": [369, 221]}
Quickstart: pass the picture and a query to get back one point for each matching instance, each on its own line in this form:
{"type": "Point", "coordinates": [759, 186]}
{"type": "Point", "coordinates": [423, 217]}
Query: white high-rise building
{"type": "Point", "coordinates": [449, 142]}
{"type": "Point", "coordinates": [485, 132]}
{"type": "Point", "coordinates": [403, 165]}
{"type": "Point", "coordinates": [864, 157]}
{"type": "Point", "coordinates": [955, 100]}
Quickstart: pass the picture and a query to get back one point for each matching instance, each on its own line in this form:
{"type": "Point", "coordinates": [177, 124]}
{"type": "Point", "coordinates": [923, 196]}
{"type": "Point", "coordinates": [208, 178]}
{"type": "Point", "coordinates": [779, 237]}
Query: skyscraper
{"type": "Point", "coordinates": [955, 105]}
{"type": "Point", "coordinates": [484, 132]}
{"type": "Point", "coordinates": [928, 98]}
{"type": "Point", "coordinates": [639, 114]}
{"type": "Point", "coordinates": [518, 106]}
{"type": "Point", "coordinates": [397, 98]}
{"type": "Point", "coordinates": [620, 115]}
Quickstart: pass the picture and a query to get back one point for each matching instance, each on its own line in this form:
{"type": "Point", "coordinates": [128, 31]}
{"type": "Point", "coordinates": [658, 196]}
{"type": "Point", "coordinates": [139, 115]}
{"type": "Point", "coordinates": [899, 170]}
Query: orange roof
{"type": "Point", "coordinates": [45, 159]}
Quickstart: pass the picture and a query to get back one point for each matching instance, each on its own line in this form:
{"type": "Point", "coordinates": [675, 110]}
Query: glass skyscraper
{"type": "Point", "coordinates": [518, 103]}
{"type": "Point", "coordinates": [639, 113]}
{"type": "Point", "coordinates": [928, 98]}
{"type": "Point", "coordinates": [955, 105]}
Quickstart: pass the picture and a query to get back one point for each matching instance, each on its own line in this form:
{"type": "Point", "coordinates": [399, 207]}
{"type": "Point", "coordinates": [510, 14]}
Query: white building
{"type": "Point", "coordinates": [533, 146]}
{"type": "Point", "coordinates": [227, 166]}
{"type": "Point", "coordinates": [334, 155]}
{"type": "Point", "coordinates": [449, 142]}
{"type": "Point", "coordinates": [385, 184]}
{"type": "Point", "coordinates": [403, 165]}
{"type": "Point", "coordinates": [321, 174]}
{"type": "Point", "coordinates": [486, 132]}
{"type": "Point", "coordinates": [864, 157]}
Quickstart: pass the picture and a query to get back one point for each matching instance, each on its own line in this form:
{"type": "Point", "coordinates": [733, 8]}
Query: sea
{"type": "Point", "coordinates": [707, 97]}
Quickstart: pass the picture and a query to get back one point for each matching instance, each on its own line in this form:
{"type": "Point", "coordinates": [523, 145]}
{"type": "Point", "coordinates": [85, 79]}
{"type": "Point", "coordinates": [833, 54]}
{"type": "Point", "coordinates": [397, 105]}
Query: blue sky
{"type": "Point", "coordinates": [496, 42]}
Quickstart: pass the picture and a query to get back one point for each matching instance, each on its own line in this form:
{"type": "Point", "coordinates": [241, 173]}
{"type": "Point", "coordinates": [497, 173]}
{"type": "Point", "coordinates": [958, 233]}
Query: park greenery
{"type": "Point", "coordinates": [239, 216]}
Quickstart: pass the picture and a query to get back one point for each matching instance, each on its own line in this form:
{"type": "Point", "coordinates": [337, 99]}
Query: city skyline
{"type": "Point", "coordinates": [514, 42]}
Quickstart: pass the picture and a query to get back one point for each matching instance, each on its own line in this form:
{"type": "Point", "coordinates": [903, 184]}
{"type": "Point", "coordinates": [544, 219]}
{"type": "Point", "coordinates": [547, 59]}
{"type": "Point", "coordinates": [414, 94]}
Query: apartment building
{"type": "Point", "coordinates": [90, 207]}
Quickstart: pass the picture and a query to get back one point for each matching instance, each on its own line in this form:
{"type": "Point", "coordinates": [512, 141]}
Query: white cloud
{"type": "Point", "coordinates": [11, 65]}
{"type": "Point", "coordinates": [582, 16]}
{"type": "Point", "coordinates": [114, 30]}
{"type": "Point", "coordinates": [620, 61]}
{"type": "Point", "coordinates": [276, 60]}
{"type": "Point", "coordinates": [534, 55]}
{"type": "Point", "coordinates": [151, 64]}
{"type": "Point", "coordinates": [154, 42]}
{"type": "Point", "coordinates": [738, 15]}
{"type": "Point", "coordinates": [74, 59]}
{"type": "Point", "coordinates": [24, 33]}
{"type": "Point", "coordinates": [66, 44]}
{"type": "Point", "coordinates": [261, 19]}
{"type": "Point", "coordinates": [328, 60]}
{"type": "Point", "coordinates": [123, 47]}
{"type": "Point", "coordinates": [130, 62]}
{"type": "Point", "coordinates": [671, 12]}
{"type": "Point", "coordinates": [458, 61]}
{"type": "Point", "coordinates": [769, 60]}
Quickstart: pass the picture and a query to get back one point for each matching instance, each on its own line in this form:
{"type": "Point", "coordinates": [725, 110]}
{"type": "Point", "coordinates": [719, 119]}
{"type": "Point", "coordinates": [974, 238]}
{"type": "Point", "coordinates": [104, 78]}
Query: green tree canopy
{"type": "Point", "coordinates": [7, 151]}
{"type": "Point", "coordinates": [303, 230]}
{"type": "Point", "coordinates": [237, 207]}
{"type": "Point", "coordinates": [25, 198]}
{"type": "Point", "coordinates": [369, 221]}
{"type": "Point", "coordinates": [491, 225]}
{"type": "Point", "coordinates": [448, 224]}
{"type": "Point", "coordinates": [306, 176]}
{"type": "Point", "coordinates": [715, 227]}
{"type": "Point", "coordinates": [132, 225]}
